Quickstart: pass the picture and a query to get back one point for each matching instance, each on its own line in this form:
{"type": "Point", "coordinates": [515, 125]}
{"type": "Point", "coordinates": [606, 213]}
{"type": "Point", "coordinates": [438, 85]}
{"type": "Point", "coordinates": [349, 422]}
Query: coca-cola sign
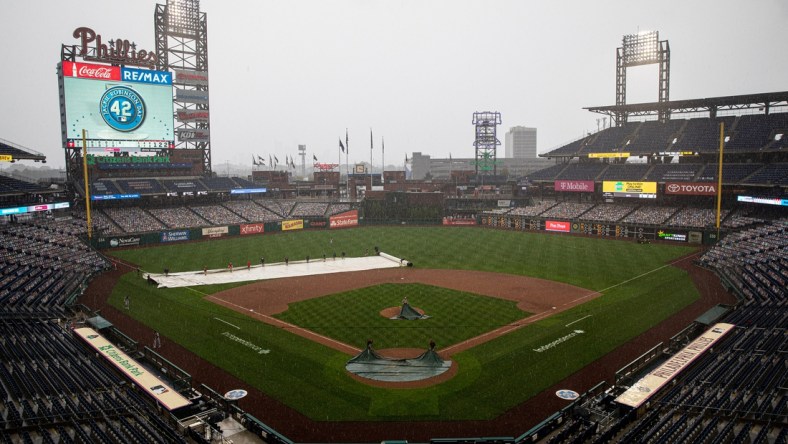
{"type": "Point", "coordinates": [118, 51]}
{"type": "Point", "coordinates": [90, 71]}
{"type": "Point", "coordinates": [691, 188]}
{"type": "Point", "coordinates": [575, 186]}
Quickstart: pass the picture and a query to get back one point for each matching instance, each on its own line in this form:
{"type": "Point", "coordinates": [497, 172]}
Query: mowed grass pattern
{"type": "Point", "coordinates": [639, 290]}
{"type": "Point", "coordinates": [354, 316]}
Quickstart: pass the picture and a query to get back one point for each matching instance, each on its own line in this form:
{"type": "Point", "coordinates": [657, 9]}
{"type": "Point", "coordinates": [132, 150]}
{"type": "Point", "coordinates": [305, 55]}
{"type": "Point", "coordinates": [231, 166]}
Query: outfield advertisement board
{"type": "Point", "coordinates": [672, 235]}
{"type": "Point", "coordinates": [295, 224]}
{"type": "Point", "coordinates": [258, 228]}
{"type": "Point", "coordinates": [453, 221]}
{"type": "Point", "coordinates": [620, 188]}
{"type": "Point", "coordinates": [556, 225]}
{"type": "Point", "coordinates": [125, 109]}
{"type": "Point", "coordinates": [691, 188]}
{"type": "Point", "coordinates": [215, 231]}
{"type": "Point", "coordinates": [344, 220]}
{"type": "Point", "coordinates": [175, 235]}
{"type": "Point", "coordinates": [574, 186]}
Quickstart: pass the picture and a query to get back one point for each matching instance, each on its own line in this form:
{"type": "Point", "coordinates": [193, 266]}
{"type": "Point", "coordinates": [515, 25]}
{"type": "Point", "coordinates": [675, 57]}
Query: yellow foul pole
{"type": "Point", "coordinates": [85, 179]}
{"type": "Point", "coordinates": [719, 178]}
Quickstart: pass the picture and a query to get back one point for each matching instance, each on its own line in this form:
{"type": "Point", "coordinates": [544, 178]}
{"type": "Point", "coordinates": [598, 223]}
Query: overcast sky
{"type": "Point", "coordinates": [285, 73]}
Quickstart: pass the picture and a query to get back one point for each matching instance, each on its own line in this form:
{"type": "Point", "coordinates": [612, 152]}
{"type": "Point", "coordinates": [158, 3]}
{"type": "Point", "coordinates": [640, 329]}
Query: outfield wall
{"type": "Point", "coordinates": [602, 229]}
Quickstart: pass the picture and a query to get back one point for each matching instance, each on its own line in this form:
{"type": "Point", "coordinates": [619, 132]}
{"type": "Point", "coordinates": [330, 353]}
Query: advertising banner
{"type": "Point", "coordinates": [258, 228]}
{"type": "Point", "coordinates": [318, 223]}
{"type": "Point", "coordinates": [607, 155]}
{"type": "Point", "coordinates": [763, 200]}
{"type": "Point", "coordinates": [344, 220]}
{"type": "Point", "coordinates": [554, 225]}
{"type": "Point", "coordinates": [574, 186]}
{"type": "Point", "coordinates": [691, 188]}
{"type": "Point", "coordinates": [452, 221]}
{"type": "Point", "coordinates": [620, 188]}
{"type": "Point", "coordinates": [191, 96]}
{"type": "Point", "coordinates": [159, 390]}
{"type": "Point", "coordinates": [295, 224]}
{"type": "Point", "coordinates": [194, 134]}
{"type": "Point", "coordinates": [650, 384]}
{"type": "Point", "coordinates": [215, 231]}
{"type": "Point", "coordinates": [190, 77]}
{"type": "Point", "coordinates": [6, 157]}
{"type": "Point", "coordinates": [127, 241]}
{"type": "Point", "coordinates": [174, 236]}
{"type": "Point", "coordinates": [672, 235]}
{"type": "Point", "coordinates": [193, 115]}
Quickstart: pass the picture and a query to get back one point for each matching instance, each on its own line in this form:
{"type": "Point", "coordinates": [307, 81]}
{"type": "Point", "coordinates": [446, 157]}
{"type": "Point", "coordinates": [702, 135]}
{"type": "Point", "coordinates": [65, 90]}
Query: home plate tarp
{"type": "Point", "coordinates": [257, 272]}
{"type": "Point", "coordinates": [371, 365]}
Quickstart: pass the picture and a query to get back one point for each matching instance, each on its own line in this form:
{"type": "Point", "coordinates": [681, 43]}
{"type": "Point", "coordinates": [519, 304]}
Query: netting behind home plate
{"type": "Point", "coordinates": [276, 270]}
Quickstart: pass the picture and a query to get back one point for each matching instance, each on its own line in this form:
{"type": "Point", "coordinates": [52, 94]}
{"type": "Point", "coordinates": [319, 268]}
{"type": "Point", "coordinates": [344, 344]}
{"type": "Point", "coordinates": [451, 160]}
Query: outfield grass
{"type": "Point", "coordinates": [354, 316]}
{"type": "Point", "coordinates": [638, 292]}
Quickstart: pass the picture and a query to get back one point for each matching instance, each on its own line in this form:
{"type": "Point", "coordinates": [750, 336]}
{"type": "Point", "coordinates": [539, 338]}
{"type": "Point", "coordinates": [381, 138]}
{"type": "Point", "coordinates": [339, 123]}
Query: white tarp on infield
{"type": "Point", "coordinates": [276, 270]}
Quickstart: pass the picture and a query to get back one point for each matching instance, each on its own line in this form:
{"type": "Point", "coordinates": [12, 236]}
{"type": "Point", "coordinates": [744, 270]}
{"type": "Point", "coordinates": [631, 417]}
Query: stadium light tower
{"type": "Point", "coordinates": [486, 142]}
{"type": "Point", "coordinates": [643, 48]}
{"type": "Point", "coordinates": [182, 48]}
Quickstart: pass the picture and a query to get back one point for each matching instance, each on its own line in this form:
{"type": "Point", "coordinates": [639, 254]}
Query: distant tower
{"type": "Point", "coordinates": [520, 143]}
{"type": "Point", "coordinates": [486, 142]}
{"type": "Point", "coordinates": [302, 153]}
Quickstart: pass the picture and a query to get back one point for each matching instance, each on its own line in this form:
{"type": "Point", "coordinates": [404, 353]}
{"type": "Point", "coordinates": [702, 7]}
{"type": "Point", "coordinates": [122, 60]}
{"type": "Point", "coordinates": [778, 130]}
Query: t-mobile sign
{"type": "Point", "coordinates": [574, 186]}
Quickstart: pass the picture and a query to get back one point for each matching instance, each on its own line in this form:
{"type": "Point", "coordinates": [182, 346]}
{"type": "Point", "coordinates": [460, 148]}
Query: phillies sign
{"type": "Point", "coordinates": [118, 51]}
{"type": "Point", "coordinates": [576, 186]}
{"type": "Point", "coordinates": [691, 188]}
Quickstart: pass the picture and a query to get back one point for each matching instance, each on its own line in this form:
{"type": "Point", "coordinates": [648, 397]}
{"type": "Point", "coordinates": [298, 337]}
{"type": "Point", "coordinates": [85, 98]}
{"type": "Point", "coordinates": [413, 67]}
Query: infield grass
{"type": "Point", "coordinates": [354, 316]}
{"type": "Point", "coordinates": [638, 292]}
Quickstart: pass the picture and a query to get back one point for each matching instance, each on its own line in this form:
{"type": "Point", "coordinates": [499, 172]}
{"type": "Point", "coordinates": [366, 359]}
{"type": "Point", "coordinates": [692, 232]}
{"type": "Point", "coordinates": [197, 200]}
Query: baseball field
{"type": "Point", "coordinates": [514, 311]}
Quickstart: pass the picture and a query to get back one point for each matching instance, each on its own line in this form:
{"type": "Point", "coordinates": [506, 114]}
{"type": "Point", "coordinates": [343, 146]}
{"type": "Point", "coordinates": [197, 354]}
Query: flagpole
{"type": "Point", "coordinates": [383, 159]}
{"type": "Point", "coordinates": [347, 153]}
{"type": "Point", "coordinates": [371, 149]}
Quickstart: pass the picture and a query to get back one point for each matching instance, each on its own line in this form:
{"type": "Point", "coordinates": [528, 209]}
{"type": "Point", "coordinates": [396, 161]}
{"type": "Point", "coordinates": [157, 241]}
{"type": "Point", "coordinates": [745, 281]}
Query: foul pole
{"type": "Point", "coordinates": [85, 180]}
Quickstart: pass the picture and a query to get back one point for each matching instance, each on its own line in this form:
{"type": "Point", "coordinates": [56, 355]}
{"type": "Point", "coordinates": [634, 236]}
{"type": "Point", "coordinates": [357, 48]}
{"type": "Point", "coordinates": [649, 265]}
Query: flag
{"type": "Point", "coordinates": [406, 157]}
{"type": "Point", "coordinates": [370, 139]}
{"type": "Point", "coordinates": [275, 159]}
{"type": "Point", "coordinates": [314, 157]}
{"type": "Point", "coordinates": [254, 161]}
{"type": "Point", "coordinates": [260, 160]}
{"type": "Point", "coordinates": [342, 147]}
{"type": "Point", "coordinates": [270, 162]}
{"type": "Point", "coordinates": [292, 163]}
{"type": "Point", "coordinates": [347, 144]}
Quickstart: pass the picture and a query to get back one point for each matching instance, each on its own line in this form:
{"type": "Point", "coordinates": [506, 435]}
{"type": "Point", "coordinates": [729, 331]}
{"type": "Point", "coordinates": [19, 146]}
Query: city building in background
{"type": "Point", "coordinates": [520, 143]}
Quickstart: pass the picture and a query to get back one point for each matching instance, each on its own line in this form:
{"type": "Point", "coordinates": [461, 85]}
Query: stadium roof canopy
{"type": "Point", "coordinates": [765, 102]}
{"type": "Point", "coordinates": [18, 152]}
